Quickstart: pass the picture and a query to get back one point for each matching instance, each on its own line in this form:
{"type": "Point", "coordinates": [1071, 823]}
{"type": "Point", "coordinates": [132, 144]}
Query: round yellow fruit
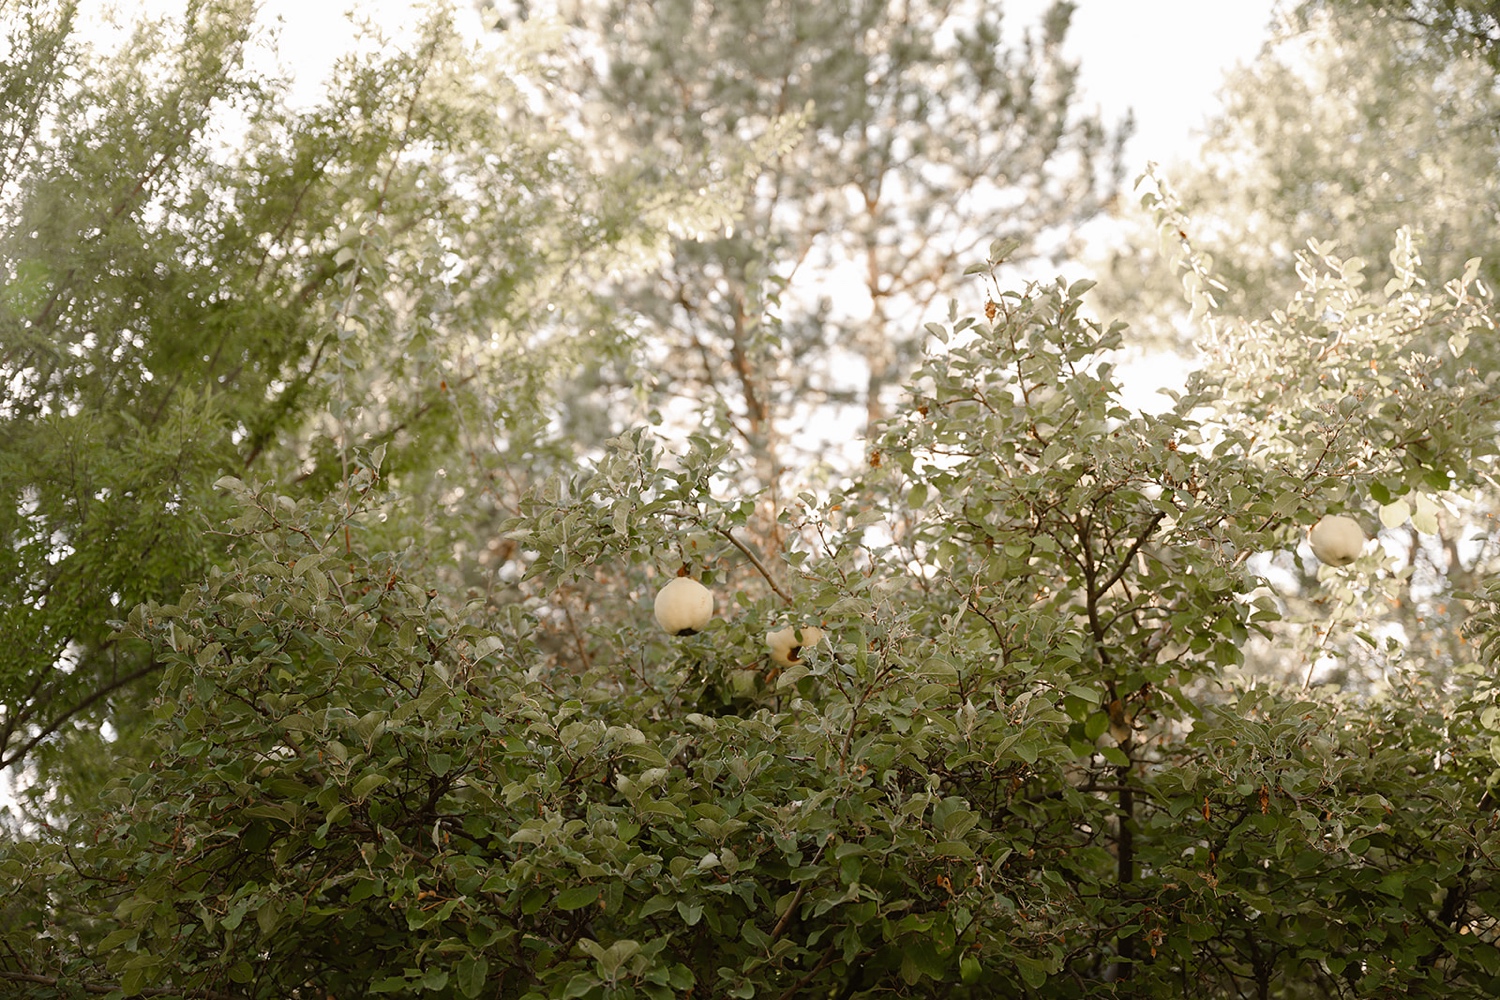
{"type": "Point", "coordinates": [684, 606]}
{"type": "Point", "coordinates": [787, 643]}
{"type": "Point", "coordinates": [1337, 540]}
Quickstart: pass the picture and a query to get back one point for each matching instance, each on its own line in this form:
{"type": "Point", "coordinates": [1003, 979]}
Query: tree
{"type": "Point", "coordinates": [886, 142]}
{"type": "Point", "coordinates": [926, 133]}
{"type": "Point", "coordinates": [1355, 132]}
{"type": "Point", "coordinates": [1461, 27]}
{"type": "Point", "coordinates": [1021, 756]}
{"type": "Point", "coordinates": [1351, 125]}
{"type": "Point", "coordinates": [1018, 763]}
{"type": "Point", "coordinates": [200, 281]}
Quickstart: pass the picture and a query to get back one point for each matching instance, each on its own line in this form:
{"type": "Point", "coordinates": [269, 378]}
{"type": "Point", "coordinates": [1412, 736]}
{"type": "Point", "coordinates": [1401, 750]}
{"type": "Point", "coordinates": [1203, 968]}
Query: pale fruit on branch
{"type": "Point", "coordinates": [1337, 540]}
{"type": "Point", "coordinates": [684, 606]}
{"type": "Point", "coordinates": [787, 643]}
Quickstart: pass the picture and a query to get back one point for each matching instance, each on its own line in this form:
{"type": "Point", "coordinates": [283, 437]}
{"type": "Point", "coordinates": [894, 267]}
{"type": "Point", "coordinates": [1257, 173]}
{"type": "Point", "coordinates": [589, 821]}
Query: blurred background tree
{"type": "Point", "coordinates": [891, 141]}
{"type": "Point", "coordinates": [927, 130]}
{"type": "Point", "coordinates": [1463, 27]}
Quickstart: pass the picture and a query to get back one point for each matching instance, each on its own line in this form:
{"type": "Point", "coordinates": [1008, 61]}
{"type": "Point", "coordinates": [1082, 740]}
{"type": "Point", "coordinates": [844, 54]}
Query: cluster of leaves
{"type": "Point", "coordinates": [1294, 198]}
{"type": "Point", "coordinates": [1408, 143]}
{"type": "Point", "coordinates": [1005, 771]}
{"type": "Point", "coordinates": [1373, 385]}
{"type": "Point", "coordinates": [201, 279]}
{"type": "Point", "coordinates": [1022, 759]}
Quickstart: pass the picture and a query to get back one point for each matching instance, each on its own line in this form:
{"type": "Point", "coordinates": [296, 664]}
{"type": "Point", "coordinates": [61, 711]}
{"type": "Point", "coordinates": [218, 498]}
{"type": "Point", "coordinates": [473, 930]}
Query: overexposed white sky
{"type": "Point", "coordinates": [1165, 59]}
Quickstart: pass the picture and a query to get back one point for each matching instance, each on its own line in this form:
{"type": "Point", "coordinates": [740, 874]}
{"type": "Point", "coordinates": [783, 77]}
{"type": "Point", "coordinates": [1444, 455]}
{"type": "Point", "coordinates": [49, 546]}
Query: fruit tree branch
{"type": "Point", "coordinates": [755, 561]}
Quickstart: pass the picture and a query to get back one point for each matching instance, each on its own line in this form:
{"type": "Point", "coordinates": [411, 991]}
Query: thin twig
{"type": "Point", "coordinates": [823, 963]}
{"type": "Point", "coordinates": [755, 561]}
{"type": "Point", "coordinates": [787, 916]}
{"type": "Point", "coordinates": [56, 723]}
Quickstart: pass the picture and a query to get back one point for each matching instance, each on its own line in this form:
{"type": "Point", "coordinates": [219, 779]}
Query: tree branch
{"type": "Point", "coordinates": [823, 963]}
{"type": "Point", "coordinates": [755, 561]}
{"type": "Point", "coordinates": [1135, 547]}
{"type": "Point", "coordinates": [57, 721]}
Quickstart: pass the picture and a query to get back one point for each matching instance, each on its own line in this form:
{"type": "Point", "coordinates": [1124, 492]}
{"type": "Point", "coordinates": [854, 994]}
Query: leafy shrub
{"type": "Point", "coordinates": [1016, 765]}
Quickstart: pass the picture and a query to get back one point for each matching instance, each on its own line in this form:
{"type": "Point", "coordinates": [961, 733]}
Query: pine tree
{"type": "Point", "coordinates": [926, 133]}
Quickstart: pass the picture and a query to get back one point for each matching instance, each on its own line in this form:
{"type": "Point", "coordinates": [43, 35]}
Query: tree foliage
{"type": "Point", "coordinates": [1019, 762]}
{"type": "Point", "coordinates": [385, 753]}
{"type": "Point", "coordinates": [1351, 124]}
{"type": "Point", "coordinates": [201, 280]}
{"type": "Point", "coordinates": [1354, 134]}
{"type": "Point", "coordinates": [1460, 27]}
{"type": "Point", "coordinates": [927, 130]}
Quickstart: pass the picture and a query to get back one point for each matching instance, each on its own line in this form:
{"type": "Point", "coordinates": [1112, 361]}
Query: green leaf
{"type": "Point", "coordinates": [1115, 756]}
{"type": "Point", "coordinates": [119, 936]}
{"type": "Point", "coordinates": [1096, 725]}
{"type": "Point", "coordinates": [1003, 248]}
{"type": "Point", "coordinates": [616, 955]}
{"type": "Point", "coordinates": [577, 897]}
{"type": "Point", "coordinates": [579, 985]}
{"type": "Point", "coordinates": [1395, 514]}
{"type": "Point", "coordinates": [1033, 971]}
{"type": "Point", "coordinates": [390, 984]}
{"type": "Point", "coordinates": [954, 849]}
{"type": "Point", "coordinates": [368, 784]}
{"type": "Point", "coordinates": [1424, 518]}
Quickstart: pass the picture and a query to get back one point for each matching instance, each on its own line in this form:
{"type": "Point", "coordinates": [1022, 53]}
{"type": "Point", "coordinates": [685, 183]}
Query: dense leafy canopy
{"type": "Point", "coordinates": [365, 272]}
{"type": "Point", "coordinates": [1402, 158]}
{"type": "Point", "coordinates": [406, 723]}
{"type": "Point", "coordinates": [1458, 27]}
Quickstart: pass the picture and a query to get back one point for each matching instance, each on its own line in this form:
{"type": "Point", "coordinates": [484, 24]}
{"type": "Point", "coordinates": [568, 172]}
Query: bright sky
{"type": "Point", "coordinates": [1165, 59]}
